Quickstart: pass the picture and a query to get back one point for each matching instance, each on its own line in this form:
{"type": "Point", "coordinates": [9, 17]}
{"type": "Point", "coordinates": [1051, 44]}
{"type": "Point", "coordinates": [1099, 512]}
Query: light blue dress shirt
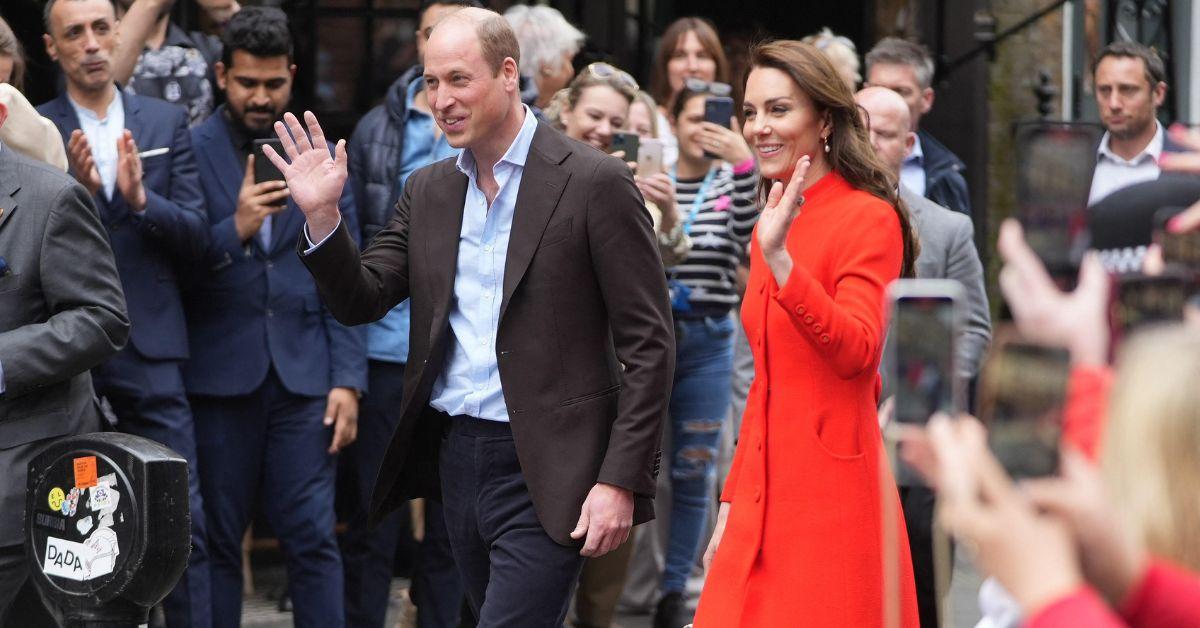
{"type": "Point", "coordinates": [387, 338]}
{"type": "Point", "coordinates": [912, 172]}
{"type": "Point", "coordinates": [102, 136]}
{"type": "Point", "coordinates": [470, 383]}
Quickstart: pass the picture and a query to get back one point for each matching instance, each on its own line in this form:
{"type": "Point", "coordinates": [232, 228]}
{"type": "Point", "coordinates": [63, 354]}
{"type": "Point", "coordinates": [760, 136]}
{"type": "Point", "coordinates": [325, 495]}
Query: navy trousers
{"type": "Point", "coordinates": [368, 553]}
{"type": "Point", "coordinates": [514, 573]}
{"type": "Point", "coordinates": [148, 399]}
{"type": "Point", "coordinates": [269, 450]}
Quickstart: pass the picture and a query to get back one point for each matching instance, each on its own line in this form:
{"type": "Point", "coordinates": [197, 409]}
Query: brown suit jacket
{"type": "Point", "coordinates": [585, 345]}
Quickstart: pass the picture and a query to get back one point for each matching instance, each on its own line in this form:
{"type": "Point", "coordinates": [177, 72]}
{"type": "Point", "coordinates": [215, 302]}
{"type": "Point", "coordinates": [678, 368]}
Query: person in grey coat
{"type": "Point", "coordinates": [947, 252]}
{"type": "Point", "coordinates": [62, 312]}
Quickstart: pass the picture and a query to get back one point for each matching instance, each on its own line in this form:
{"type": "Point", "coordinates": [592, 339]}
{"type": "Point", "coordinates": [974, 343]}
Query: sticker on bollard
{"type": "Point", "coordinates": [108, 529]}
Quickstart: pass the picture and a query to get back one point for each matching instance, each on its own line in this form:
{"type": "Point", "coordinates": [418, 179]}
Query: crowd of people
{"type": "Point", "coordinates": [485, 300]}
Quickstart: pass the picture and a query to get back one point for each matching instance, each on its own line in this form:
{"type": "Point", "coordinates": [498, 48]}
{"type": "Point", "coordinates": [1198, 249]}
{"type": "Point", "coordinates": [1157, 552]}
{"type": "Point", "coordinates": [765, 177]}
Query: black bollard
{"type": "Point", "coordinates": [107, 527]}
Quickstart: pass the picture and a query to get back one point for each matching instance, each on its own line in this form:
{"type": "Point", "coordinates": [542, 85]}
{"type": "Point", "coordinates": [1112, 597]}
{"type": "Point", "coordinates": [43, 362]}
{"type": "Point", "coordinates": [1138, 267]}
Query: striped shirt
{"type": "Point", "coordinates": [720, 232]}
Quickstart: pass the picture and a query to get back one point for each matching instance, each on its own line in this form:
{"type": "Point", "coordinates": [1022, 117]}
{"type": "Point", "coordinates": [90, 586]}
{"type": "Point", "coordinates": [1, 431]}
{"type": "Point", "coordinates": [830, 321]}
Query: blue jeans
{"type": "Point", "coordinates": [699, 404]}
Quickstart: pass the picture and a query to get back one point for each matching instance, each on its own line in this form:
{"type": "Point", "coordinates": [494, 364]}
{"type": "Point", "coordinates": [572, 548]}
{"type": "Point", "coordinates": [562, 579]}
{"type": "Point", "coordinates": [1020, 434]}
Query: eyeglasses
{"type": "Point", "coordinates": [707, 87]}
{"type": "Point", "coordinates": [605, 71]}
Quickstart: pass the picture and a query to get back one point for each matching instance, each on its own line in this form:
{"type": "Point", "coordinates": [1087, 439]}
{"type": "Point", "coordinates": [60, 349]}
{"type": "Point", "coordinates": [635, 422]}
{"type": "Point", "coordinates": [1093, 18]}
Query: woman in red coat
{"type": "Point", "coordinates": [809, 500]}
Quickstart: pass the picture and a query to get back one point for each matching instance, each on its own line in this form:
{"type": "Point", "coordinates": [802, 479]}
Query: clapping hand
{"type": "Point", "coordinates": [314, 177]}
{"type": "Point", "coordinates": [83, 165]}
{"type": "Point", "coordinates": [129, 172]}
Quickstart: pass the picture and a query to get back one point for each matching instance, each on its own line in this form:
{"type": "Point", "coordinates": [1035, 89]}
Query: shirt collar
{"type": "Point", "coordinates": [114, 106]}
{"type": "Point", "coordinates": [1153, 150]}
{"type": "Point", "coordinates": [410, 96]}
{"type": "Point", "coordinates": [517, 152]}
{"type": "Point", "coordinates": [917, 154]}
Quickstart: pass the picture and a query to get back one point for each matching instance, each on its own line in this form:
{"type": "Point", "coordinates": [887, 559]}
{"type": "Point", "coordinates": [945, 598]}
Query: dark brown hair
{"type": "Point", "coordinates": [660, 85]}
{"type": "Point", "coordinates": [10, 47]}
{"type": "Point", "coordinates": [850, 152]}
{"type": "Point", "coordinates": [1155, 71]}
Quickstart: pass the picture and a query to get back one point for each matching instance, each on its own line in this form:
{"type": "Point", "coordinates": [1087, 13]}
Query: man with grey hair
{"type": "Point", "coordinates": [549, 44]}
{"type": "Point", "coordinates": [541, 349]}
{"type": "Point", "coordinates": [930, 169]}
{"type": "Point", "coordinates": [947, 252]}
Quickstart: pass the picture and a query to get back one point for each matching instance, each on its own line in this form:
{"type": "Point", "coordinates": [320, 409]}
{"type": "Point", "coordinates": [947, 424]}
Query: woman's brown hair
{"type": "Point", "coordinates": [850, 152]}
{"type": "Point", "coordinates": [660, 85]}
{"type": "Point", "coordinates": [10, 47]}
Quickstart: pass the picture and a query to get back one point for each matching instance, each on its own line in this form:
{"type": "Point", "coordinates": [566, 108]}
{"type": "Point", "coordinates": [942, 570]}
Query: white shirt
{"type": "Point", "coordinates": [102, 136]}
{"type": "Point", "coordinates": [912, 172]}
{"type": "Point", "coordinates": [1114, 172]}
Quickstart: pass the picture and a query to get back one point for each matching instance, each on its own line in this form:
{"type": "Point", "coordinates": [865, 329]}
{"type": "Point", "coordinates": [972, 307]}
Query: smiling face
{"type": "Point", "coordinates": [690, 60]}
{"type": "Point", "coordinates": [600, 112]}
{"type": "Point", "coordinates": [82, 38]}
{"type": "Point", "coordinates": [781, 123]}
{"type": "Point", "coordinates": [687, 127]}
{"type": "Point", "coordinates": [469, 100]}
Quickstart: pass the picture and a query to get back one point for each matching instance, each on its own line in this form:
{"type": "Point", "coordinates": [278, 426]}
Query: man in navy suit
{"type": "Point", "coordinates": [151, 207]}
{"type": "Point", "coordinates": [273, 378]}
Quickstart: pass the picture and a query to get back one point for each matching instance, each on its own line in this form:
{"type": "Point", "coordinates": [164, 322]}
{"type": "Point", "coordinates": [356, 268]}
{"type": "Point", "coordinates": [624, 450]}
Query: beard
{"type": "Point", "coordinates": [253, 131]}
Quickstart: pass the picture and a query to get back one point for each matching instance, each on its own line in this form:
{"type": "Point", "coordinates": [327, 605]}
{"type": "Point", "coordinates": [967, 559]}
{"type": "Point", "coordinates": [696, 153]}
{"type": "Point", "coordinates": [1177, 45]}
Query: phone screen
{"type": "Point", "coordinates": [1143, 300]}
{"type": "Point", "coordinates": [1054, 179]}
{"type": "Point", "coordinates": [1022, 395]}
{"type": "Point", "coordinates": [264, 168]}
{"type": "Point", "coordinates": [923, 338]}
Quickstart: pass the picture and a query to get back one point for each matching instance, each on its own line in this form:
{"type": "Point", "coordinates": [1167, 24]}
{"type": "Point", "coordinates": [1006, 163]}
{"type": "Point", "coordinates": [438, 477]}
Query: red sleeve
{"type": "Point", "coordinates": [1084, 607]}
{"type": "Point", "coordinates": [846, 327]}
{"type": "Point", "coordinates": [1166, 597]}
{"type": "Point", "coordinates": [1087, 404]}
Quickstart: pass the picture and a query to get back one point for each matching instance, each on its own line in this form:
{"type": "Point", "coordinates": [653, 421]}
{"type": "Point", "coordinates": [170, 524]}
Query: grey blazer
{"type": "Point", "coordinates": [948, 252]}
{"type": "Point", "coordinates": [62, 312]}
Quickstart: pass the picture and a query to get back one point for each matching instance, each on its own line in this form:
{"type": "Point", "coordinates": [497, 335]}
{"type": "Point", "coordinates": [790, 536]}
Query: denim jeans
{"type": "Point", "coordinates": [699, 405]}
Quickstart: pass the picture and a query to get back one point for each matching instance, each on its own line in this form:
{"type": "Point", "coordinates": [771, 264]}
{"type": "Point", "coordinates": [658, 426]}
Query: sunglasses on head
{"type": "Point", "coordinates": [707, 87]}
{"type": "Point", "coordinates": [606, 71]}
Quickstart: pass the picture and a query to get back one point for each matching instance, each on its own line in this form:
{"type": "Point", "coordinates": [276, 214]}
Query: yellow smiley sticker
{"type": "Point", "coordinates": [56, 498]}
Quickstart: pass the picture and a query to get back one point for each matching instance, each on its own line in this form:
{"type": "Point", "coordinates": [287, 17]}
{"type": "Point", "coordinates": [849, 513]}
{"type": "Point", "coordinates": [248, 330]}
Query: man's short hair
{"type": "Point", "coordinates": [46, 15]}
{"type": "Point", "coordinates": [1156, 72]}
{"type": "Point", "coordinates": [426, 4]}
{"type": "Point", "coordinates": [497, 41]}
{"type": "Point", "coordinates": [893, 50]}
{"type": "Point", "coordinates": [260, 31]}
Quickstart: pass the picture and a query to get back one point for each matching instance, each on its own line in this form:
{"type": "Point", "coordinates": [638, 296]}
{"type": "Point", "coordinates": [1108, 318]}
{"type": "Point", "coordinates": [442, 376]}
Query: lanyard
{"type": "Point", "coordinates": [698, 201]}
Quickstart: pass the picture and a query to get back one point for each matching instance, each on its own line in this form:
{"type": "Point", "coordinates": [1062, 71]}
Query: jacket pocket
{"type": "Point", "coordinates": [8, 283]}
{"type": "Point", "coordinates": [590, 396]}
{"type": "Point", "coordinates": [556, 233]}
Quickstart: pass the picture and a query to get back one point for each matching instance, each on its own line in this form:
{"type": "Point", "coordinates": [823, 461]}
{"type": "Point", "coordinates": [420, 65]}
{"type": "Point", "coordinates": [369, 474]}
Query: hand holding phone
{"type": "Point", "coordinates": [650, 158]}
{"type": "Point", "coordinates": [719, 111]}
{"type": "Point", "coordinates": [627, 143]}
{"type": "Point", "coordinates": [926, 322]}
{"type": "Point", "coordinates": [264, 169]}
{"type": "Point", "coordinates": [1022, 394]}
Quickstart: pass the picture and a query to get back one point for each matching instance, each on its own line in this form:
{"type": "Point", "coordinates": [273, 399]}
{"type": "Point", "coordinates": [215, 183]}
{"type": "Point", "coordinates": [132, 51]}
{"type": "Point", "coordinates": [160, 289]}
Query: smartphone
{"type": "Point", "coordinates": [926, 321]}
{"type": "Point", "coordinates": [1022, 394]}
{"type": "Point", "coordinates": [627, 142]}
{"type": "Point", "coordinates": [719, 111]}
{"type": "Point", "coordinates": [1054, 180]}
{"type": "Point", "coordinates": [1179, 250]}
{"type": "Point", "coordinates": [1141, 300]}
{"type": "Point", "coordinates": [264, 168]}
{"type": "Point", "coordinates": [650, 158]}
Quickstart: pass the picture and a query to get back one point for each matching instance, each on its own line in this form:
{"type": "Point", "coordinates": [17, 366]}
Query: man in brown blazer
{"type": "Point", "coordinates": [541, 350]}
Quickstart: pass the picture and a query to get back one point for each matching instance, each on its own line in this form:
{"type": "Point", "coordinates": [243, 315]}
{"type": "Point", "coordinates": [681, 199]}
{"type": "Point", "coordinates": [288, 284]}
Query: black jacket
{"type": "Point", "coordinates": [944, 182]}
{"type": "Point", "coordinates": [375, 149]}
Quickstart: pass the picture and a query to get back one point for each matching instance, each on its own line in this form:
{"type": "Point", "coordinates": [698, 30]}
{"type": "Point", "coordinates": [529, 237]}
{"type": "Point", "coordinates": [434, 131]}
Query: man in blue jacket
{"type": "Point", "coordinates": [930, 169]}
{"type": "Point", "coordinates": [274, 380]}
{"type": "Point", "coordinates": [134, 156]}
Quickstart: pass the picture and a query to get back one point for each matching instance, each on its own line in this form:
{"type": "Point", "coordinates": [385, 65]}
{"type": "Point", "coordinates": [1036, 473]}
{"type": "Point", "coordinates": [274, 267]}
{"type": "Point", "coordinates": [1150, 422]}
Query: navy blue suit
{"type": "Point", "coordinates": [153, 250]}
{"type": "Point", "coordinates": [265, 353]}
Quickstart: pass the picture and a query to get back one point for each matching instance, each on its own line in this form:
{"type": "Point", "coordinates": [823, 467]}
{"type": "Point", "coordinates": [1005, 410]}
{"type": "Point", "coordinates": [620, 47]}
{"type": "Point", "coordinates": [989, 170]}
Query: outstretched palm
{"type": "Point", "coordinates": [314, 177]}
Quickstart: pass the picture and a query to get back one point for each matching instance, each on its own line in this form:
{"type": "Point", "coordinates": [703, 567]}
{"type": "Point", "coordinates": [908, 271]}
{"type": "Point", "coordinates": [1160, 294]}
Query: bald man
{"type": "Point", "coordinates": [947, 252]}
{"type": "Point", "coordinates": [541, 345]}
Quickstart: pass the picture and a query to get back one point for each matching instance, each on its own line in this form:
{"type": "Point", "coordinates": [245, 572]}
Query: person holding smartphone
{"type": "Point", "coordinates": [715, 181]}
{"type": "Point", "coordinates": [809, 496]}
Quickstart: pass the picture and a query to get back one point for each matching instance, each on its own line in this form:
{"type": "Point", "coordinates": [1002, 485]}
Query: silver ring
{"type": "Point", "coordinates": [800, 202]}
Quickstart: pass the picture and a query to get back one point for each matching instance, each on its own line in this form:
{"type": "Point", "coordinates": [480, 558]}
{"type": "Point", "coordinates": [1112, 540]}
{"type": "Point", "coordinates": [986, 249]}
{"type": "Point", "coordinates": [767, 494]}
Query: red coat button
{"type": "Point", "coordinates": [817, 328]}
{"type": "Point", "coordinates": [808, 319]}
{"type": "Point", "coordinates": [825, 339]}
{"type": "Point", "coordinates": [800, 310]}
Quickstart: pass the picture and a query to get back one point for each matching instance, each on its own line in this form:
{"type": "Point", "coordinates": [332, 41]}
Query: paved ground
{"type": "Point", "coordinates": [260, 611]}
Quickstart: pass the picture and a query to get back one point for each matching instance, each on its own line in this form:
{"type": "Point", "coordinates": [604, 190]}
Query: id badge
{"type": "Point", "coordinates": [680, 296]}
